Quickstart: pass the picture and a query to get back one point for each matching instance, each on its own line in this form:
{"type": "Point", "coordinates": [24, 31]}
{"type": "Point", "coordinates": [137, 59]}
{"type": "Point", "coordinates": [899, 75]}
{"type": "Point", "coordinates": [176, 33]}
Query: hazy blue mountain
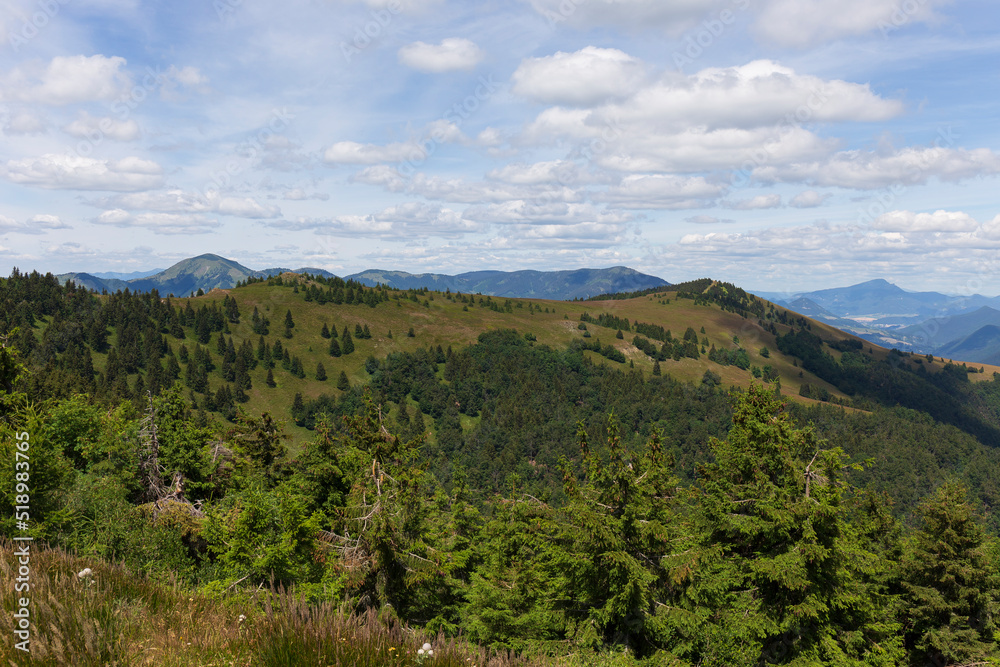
{"type": "Point", "coordinates": [879, 302]}
{"type": "Point", "coordinates": [981, 347]}
{"type": "Point", "coordinates": [939, 331]}
{"type": "Point", "coordinates": [810, 308]}
{"type": "Point", "coordinates": [106, 275]}
{"type": "Point", "coordinates": [559, 285]}
{"type": "Point", "coordinates": [207, 272]}
{"type": "Point", "coordinates": [90, 281]}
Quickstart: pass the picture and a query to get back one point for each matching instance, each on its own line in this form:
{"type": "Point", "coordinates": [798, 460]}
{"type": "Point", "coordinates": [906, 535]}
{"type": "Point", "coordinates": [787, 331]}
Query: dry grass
{"type": "Point", "coordinates": [116, 618]}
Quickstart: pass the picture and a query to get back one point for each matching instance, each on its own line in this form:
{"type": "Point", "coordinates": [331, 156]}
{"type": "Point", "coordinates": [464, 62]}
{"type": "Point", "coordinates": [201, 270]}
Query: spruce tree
{"type": "Point", "coordinates": [270, 379]}
{"type": "Point", "coordinates": [320, 372]}
{"type": "Point", "coordinates": [334, 348]}
{"type": "Point", "coordinates": [325, 333]}
{"type": "Point", "coordinates": [342, 382]}
{"type": "Point", "coordinates": [348, 343]}
{"type": "Point", "coordinates": [949, 583]}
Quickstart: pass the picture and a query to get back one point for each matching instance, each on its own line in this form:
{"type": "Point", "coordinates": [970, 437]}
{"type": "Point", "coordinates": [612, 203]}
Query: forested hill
{"type": "Point", "coordinates": [558, 478]}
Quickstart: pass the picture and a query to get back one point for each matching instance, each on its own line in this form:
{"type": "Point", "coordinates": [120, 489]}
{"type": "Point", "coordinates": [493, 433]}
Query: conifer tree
{"type": "Point", "coordinates": [950, 585]}
{"type": "Point", "coordinates": [325, 333]}
{"type": "Point", "coordinates": [342, 382]}
{"type": "Point", "coordinates": [320, 372]}
{"type": "Point", "coordinates": [334, 348]}
{"type": "Point", "coordinates": [348, 343]}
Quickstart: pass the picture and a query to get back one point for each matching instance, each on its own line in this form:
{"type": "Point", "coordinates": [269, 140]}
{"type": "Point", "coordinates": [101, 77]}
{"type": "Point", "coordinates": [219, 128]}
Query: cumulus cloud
{"type": "Point", "coordinates": [583, 78]}
{"type": "Point", "coordinates": [808, 199]}
{"type": "Point", "coordinates": [410, 221]}
{"type": "Point", "coordinates": [938, 221]}
{"type": "Point", "coordinates": [180, 201]}
{"type": "Point", "coordinates": [453, 53]}
{"type": "Point", "coordinates": [756, 203]}
{"type": "Point", "coordinates": [158, 223]}
{"type": "Point", "coordinates": [868, 170]}
{"type": "Point", "coordinates": [25, 123]}
{"type": "Point", "coordinates": [72, 172]}
{"type": "Point", "coordinates": [299, 194]}
{"type": "Point", "coordinates": [37, 224]}
{"type": "Point", "coordinates": [351, 152]}
{"type": "Point", "coordinates": [662, 192]}
{"type": "Point", "coordinates": [97, 129]}
{"type": "Point", "coordinates": [707, 220]}
{"type": "Point", "coordinates": [67, 80]}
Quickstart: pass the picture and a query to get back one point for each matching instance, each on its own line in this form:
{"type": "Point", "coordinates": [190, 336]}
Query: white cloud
{"type": "Point", "coordinates": [351, 152]}
{"type": "Point", "coordinates": [409, 221]}
{"type": "Point", "coordinates": [97, 129]}
{"type": "Point", "coordinates": [25, 123]}
{"type": "Point", "coordinates": [67, 80]}
{"type": "Point", "coordinates": [806, 23]}
{"type": "Point", "coordinates": [72, 172]}
{"type": "Point", "coordinates": [707, 220]}
{"type": "Point", "coordinates": [299, 194]}
{"type": "Point", "coordinates": [37, 224]}
{"type": "Point", "coordinates": [662, 192]}
{"type": "Point", "coordinates": [938, 221]}
{"type": "Point", "coordinates": [584, 78]}
{"type": "Point", "coordinates": [808, 199]}
{"type": "Point", "coordinates": [179, 201]}
{"type": "Point", "coordinates": [158, 223]}
{"type": "Point", "coordinates": [868, 170]}
{"type": "Point", "coordinates": [756, 203]}
{"type": "Point", "coordinates": [561, 213]}
{"type": "Point", "coordinates": [451, 54]}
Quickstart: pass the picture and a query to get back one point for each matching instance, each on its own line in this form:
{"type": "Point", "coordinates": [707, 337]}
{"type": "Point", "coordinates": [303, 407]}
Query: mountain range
{"type": "Point", "coordinates": [955, 327]}
{"type": "Point", "coordinates": [208, 272]}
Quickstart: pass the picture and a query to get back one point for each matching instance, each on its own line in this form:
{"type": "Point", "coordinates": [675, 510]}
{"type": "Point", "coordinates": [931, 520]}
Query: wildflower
{"type": "Point", "coordinates": [426, 646]}
{"type": "Point", "coordinates": [242, 618]}
{"type": "Point", "coordinates": [85, 572]}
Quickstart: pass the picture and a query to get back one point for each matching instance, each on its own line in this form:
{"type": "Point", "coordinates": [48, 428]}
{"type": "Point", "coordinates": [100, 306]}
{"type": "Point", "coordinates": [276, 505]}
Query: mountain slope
{"type": "Point", "coordinates": [981, 346]}
{"type": "Point", "coordinates": [560, 285]}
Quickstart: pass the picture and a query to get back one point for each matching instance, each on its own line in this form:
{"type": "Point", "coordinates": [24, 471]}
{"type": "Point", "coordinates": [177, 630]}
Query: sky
{"type": "Point", "coordinates": [782, 145]}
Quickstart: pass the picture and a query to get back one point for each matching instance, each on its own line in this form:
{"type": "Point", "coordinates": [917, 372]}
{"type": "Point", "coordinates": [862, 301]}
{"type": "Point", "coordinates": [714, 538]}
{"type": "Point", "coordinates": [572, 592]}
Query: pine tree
{"type": "Point", "coordinates": [949, 584]}
{"type": "Point", "coordinates": [289, 323]}
{"type": "Point", "coordinates": [320, 372]}
{"type": "Point", "coordinates": [334, 348]}
{"type": "Point", "coordinates": [348, 343]}
{"type": "Point", "coordinates": [656, 368]}
{"type": "Point", "coordinates": [270, 379]}
{"type": "Point", "coordinates": [325, 333]}
{"type": "Point", "coordinates": [342, 382]}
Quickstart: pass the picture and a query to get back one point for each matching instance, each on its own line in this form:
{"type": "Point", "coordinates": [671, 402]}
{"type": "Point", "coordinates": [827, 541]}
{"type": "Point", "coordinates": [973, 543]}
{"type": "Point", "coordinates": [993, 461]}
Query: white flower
{"type": "Point", "coordinates": [420, 651]}
{"type": "Point", "coordinates": [85, 572]}
{"type": "Point", "coordinates": [242, 618]}
{"type": "Point", "coordinates": [430, 652]}
{"type": "Point", "coordinates": [427, 647]}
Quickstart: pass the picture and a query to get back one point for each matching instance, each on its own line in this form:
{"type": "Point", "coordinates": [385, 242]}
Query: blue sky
{"type": "Point", "coordinates": [777, 144]}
